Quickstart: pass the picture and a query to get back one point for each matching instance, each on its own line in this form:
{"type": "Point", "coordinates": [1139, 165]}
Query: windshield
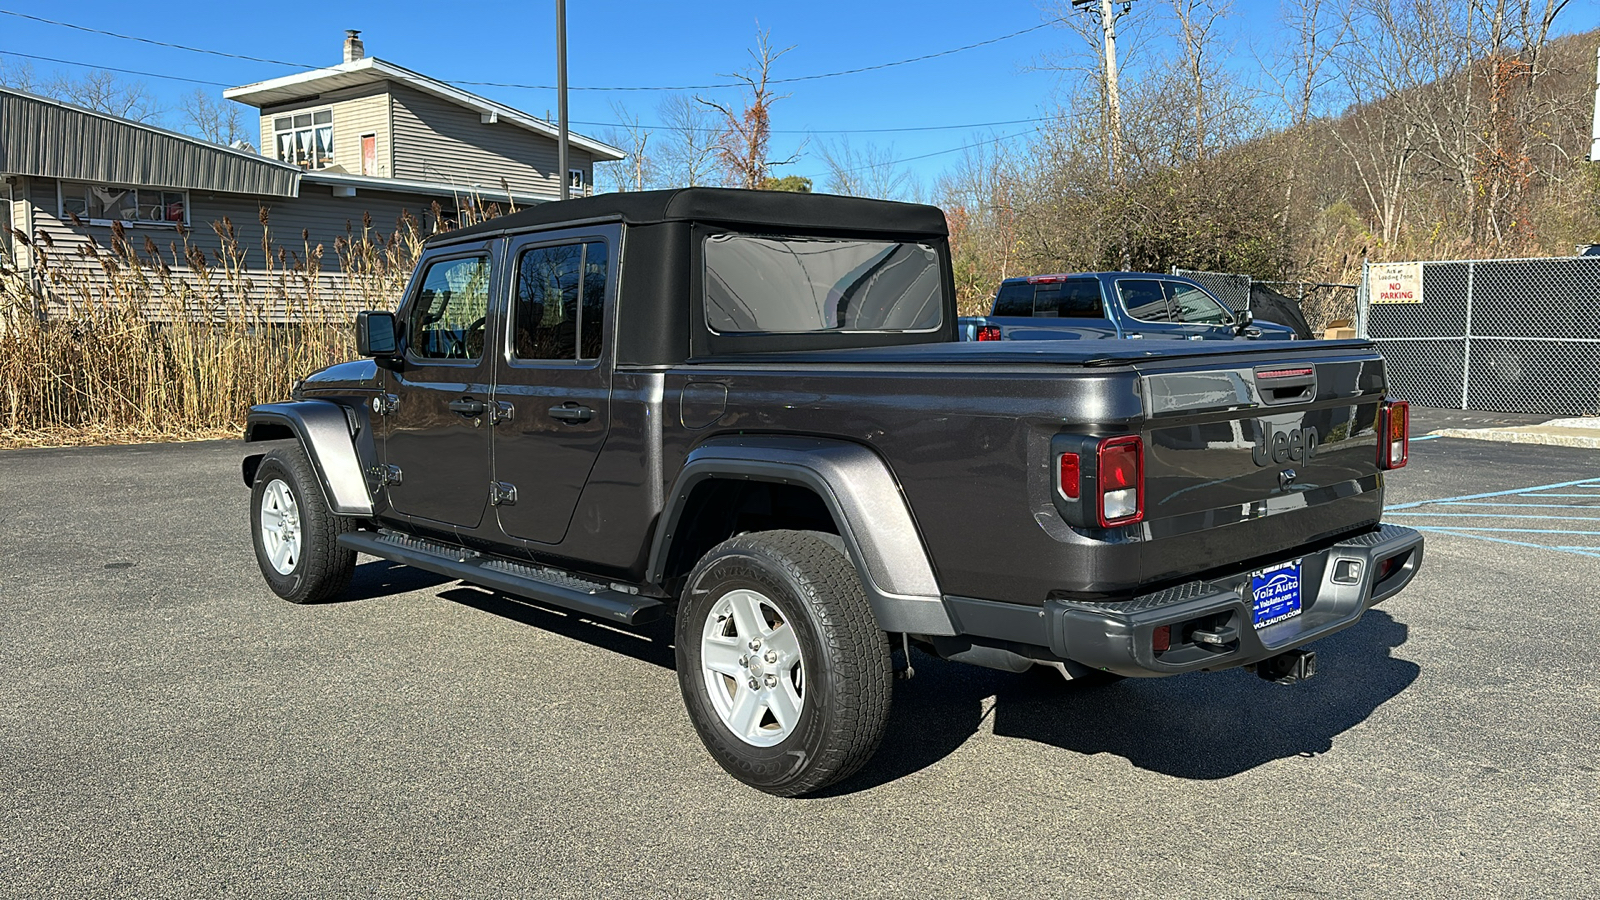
{"type": "Point", "coordinates": [792, 285]}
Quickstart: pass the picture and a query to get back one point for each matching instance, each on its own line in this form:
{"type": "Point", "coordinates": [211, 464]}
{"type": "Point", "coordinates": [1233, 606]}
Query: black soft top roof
{"type": "Point", "coordinates": [729, 206]}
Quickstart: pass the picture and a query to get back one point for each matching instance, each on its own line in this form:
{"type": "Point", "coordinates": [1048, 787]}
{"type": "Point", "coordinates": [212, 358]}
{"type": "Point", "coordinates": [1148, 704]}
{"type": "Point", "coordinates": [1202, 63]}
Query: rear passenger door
{"type": "Point", "coordinates": [553, 393]}
{"type": "Point", "coordinates": [1149, 316]}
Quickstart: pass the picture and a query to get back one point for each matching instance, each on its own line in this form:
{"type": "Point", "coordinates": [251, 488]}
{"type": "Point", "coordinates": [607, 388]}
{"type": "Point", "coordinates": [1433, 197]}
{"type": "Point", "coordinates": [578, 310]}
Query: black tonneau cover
{"type": "Point", "coordinates": [1070, 353]}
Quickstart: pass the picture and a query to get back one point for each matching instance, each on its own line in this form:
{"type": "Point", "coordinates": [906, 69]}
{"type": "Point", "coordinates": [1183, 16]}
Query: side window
{"type": "Point", "coordinates": [1144, 299]}
{"type": "Point", "coordinates": [560, 302]}
{"type": "Point", "coordinates": [1015, 299]}
{"type": "Point", "coordinates": [1076, 298]}
{"type": "Point", "coordinates": [448, 316]}
{"type": "Point", "coordinates": [1195, 305]}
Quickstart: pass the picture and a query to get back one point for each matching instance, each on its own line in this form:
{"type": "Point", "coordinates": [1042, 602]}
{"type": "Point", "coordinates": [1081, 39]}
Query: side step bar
{"type": "Point", "coordinates": [531, 582]}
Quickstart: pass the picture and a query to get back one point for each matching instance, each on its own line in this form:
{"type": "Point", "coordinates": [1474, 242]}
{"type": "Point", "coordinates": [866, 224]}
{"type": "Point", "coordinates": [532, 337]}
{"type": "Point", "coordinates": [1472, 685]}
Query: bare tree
{"type": "Point", "coordinates": [746, 135]}
{"type": "Point", "coordinates": [214, 120]}
{"type": "Point", "coordinates": [869, 171]}
{"type": "Point", "coordinates": [98, 90]}
{"type": "Point", "coordinates": [637, 171]}
{"type": "Point", "coordinates": [19, 75]}
{"type": "Point", "coordinates": [104, 92]}
{"type": "Point", "coordinates": [688, 149]}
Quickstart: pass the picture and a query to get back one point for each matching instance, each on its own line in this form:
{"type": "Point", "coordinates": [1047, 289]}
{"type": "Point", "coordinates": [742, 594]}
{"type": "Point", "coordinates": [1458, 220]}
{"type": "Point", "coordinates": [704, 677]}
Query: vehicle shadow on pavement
{"type": "Point", "coordinates": [650, 642]}
{"type": "Point", "coordinates": [1201, 726]}
{"type": "Point", "coordinates": [382, 578]}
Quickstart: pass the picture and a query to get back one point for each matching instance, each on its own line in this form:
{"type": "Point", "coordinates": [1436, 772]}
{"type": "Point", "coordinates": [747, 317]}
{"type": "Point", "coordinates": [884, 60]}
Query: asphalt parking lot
{"type": "Point", "coordinates": [169, 728]}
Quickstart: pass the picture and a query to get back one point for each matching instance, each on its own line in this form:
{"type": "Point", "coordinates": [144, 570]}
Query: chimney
{"type": "Point", "coordinates": [353, 48]}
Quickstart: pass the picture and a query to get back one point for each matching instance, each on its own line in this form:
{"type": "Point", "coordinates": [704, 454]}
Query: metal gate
{"type": "Point", "coordinates": [1233, 290]}
{"type": "Point", "coordinates": [1505, 335]}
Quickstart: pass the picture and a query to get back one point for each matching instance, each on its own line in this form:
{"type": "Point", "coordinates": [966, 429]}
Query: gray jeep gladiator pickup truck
{"type": "Point", "coordinates": [750, 411]}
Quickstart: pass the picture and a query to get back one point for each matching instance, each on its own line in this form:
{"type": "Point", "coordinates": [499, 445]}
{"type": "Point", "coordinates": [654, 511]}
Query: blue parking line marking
{"type": "Point", "coordinates": [1478, 537]}
{"type": "Point", "coordinates": [1524, 490]}
{"type": "Point", "coordinates": [1524, 505]}
{"type": "Point", "coordinates": [1422, 512]}
{"type": "Point", "coordinates": [1513, 530]}
{"type": "Point", "coordinates": [1584, 496]}
{"type": "Point", "coordinates": [1431, 437]}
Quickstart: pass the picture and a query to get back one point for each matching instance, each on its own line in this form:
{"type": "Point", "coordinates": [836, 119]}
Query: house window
{"type": "Point", "coordinates": [576, 183]}
{"type": "Point", "coordinates": [102, 204]}
{"type": "Point", "coordinates": [305, 138]}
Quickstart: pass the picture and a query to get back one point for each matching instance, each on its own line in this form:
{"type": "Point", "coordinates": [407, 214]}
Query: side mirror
{"type": "Point", "coordinates": [1245, 319]}
{"type": "Point", "coordinates": [375, 335]}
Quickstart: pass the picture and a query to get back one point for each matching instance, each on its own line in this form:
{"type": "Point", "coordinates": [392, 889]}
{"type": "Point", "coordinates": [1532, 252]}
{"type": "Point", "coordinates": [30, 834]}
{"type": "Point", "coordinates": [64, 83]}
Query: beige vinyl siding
{"type": "Point", "coordinates": [8, 253]}
{"type": "Point", "coordinates": [438, 141]}
{"type": "Point", "coordinates": [296, 226]}
{"type": "Point", "coordinates": [357, 111]}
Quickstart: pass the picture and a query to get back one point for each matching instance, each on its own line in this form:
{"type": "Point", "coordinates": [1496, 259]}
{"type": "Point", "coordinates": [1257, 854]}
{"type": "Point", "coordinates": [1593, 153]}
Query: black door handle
{"type": "Point", "coordinates": [467, 406]}
{"type": "Point", "coordinates": [571, 413]}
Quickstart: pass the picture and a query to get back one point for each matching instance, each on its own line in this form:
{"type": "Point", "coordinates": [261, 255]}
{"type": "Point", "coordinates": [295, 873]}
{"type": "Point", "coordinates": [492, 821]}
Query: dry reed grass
{"type": "Point", "coordinates": [120, 344]}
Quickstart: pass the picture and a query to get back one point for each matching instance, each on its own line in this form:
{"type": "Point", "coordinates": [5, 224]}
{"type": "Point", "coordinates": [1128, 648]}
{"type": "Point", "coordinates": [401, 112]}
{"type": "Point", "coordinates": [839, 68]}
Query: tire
{"type": "Point", "coordinates": [295, 534]}
{"type": "Point", "coordinates": [821, 668]}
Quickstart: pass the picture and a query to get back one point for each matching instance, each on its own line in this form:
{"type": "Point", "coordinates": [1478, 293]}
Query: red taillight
{"type": "Point", "coordinates": [1121, 489]}
{"type": "Point", "coordinates": [1394, 434]}
{"type": "Point", "coordinates": [988, 332]}
{"type": "Point", "coordinates": [1071, 476]}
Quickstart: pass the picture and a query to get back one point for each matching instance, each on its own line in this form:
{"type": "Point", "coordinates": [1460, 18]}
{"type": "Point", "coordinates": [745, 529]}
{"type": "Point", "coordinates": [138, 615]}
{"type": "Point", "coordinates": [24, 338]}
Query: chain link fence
{"type": "Point", "coordinates": [1321, 303]}
{"type": "Point", "coordinates": [1504, 335]}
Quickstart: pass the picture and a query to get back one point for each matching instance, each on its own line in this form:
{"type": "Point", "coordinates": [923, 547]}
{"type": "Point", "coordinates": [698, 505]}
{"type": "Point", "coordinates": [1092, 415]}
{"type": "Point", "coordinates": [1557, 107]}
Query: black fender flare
{"type": "Point", "coordinates": [323, 429]}
{"type": "Point", "coordinates": [866, 504]}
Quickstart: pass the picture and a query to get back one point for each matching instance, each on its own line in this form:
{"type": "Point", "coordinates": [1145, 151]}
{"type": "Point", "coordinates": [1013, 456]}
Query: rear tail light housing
{"type": "Point", "coordinates": [1099, 481]}
{"type": "Point", "coordinates": [988, 332]}
{"type": "Point", "coordinates": [1121, 481]}
{"type": "Point", "coordinates": [1394, 434]}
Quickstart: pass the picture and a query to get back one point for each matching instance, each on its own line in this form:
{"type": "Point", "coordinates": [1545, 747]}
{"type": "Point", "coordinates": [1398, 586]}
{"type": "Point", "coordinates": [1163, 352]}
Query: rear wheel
{"type": "Point", "coordinates": [783, 669]}
{"type": "Point", "coordinates": [296, 535]}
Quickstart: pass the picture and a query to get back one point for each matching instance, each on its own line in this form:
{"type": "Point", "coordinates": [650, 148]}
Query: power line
{"type": "Point", "coordinates": [628, 125]}
{"type": "Point", "coordinates": [798, 78]}
{"type": "Point", "coordinates": [68, 62]}
{"type": "Point", "coordinates": [906, 159]}
{"type": "Point", "coordinates": [142, 40]}
{"type": "Point", "coordinates": [957, 127]}
{"type": "Point", "coordinates": [503, 84]}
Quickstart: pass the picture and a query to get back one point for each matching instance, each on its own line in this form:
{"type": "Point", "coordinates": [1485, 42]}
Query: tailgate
{"type": "Point", "coordinates": [1250, 460]}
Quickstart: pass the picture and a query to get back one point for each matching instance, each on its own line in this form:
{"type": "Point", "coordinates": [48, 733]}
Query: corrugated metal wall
{"type": "Point", "coordinates": [39, 137]}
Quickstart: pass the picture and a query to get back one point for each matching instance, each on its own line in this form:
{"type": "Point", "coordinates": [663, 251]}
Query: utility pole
{"type": "Point", "coordinates": [1108, 14]}
{"type": "Point", "coordinates": [561, 92]}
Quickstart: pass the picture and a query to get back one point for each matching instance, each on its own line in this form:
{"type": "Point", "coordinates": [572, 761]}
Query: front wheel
{"type": "Point", "coordinates": [296, 535]}
{"type": "Point", "coordinates": [784, 671]}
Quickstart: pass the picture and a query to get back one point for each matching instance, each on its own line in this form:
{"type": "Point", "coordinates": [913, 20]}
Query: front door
{"type": "Point", "coordinates": [554, 382]}
{"type": "Point", "coordinates": [437, 429]}
{"type": "Point", "coordinates": [1203, 317]}
{"type": "Point", "coordinates": [1151, 316]}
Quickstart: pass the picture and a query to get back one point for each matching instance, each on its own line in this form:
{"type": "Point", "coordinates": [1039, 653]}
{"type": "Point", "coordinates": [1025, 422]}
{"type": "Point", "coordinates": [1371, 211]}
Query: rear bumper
{"type": "Point", "coordinates": [1119, 636]}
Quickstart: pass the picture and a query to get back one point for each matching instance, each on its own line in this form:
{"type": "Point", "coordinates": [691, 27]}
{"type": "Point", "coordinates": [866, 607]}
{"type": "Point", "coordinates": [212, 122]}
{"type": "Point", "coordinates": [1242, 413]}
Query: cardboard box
{"type": "Point", "coordinates": [1338, 330]}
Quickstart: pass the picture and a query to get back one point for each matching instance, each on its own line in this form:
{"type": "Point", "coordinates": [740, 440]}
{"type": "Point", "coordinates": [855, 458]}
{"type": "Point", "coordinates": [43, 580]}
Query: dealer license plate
{"type": "Point", "coordinates": [1275, 593]}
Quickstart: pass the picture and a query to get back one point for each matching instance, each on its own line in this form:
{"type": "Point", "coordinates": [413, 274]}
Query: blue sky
{"type": "Point", "coordinates": [614, 43]}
